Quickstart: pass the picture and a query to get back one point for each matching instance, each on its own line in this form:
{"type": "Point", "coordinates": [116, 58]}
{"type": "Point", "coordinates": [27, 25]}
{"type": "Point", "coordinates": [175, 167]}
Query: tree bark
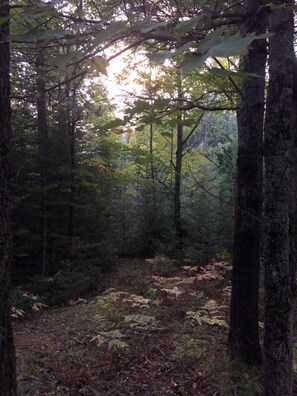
{"type": "Point", "coordinates": [178, 170]}
{"type": "Point", "coordinates": [72, 119]}
{"type": "Point", "coordinates": [71, 132]}
{"type": "Point", "coordinates": [151, 190]}
{"type": "Point", "coordinates": [7, 357]}
{"type": "Point", "coordinates": [279, 163]}
{"type": "Point", "coordinates": [243, 342]}
{"type": "Point", "coordinates": [43, 134]}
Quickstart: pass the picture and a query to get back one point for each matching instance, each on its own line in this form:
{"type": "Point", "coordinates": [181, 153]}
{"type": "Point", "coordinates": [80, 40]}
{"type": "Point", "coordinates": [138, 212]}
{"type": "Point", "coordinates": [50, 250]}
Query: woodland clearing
{"type": "Point", "coordinates": [157, 328]}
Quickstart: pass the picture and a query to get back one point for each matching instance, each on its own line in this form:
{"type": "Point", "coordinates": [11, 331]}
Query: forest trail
{"type": "Point", "coordinates": [157, 329]}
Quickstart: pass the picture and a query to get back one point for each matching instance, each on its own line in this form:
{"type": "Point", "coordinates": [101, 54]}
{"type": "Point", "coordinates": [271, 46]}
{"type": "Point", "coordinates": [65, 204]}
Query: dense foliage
{"type": "Point", "coordinates": [89, 185]}
{"type": "Point", "coordinates": [89, 177]}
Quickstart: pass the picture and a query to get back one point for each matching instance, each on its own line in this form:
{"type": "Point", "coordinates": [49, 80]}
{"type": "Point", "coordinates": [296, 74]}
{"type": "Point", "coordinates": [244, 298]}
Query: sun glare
{"type": "Point", "coordinates": [122, 80]}
{"type": "Point", "coordinates": [126, 77]}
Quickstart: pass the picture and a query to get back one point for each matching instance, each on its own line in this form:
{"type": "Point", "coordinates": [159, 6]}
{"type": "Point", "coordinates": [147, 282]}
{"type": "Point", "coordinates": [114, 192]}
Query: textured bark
{"type": "Point", "coordinates": [279, 272]}
{"type": "Point", "coordinates": [72, 120]}
{"type": "Point", "coordinates": [177, 171]}
{"type": "Point", "coordinates": [42, 132]}
{"type": "Point", "coordinates": [177, 184]}
{"type": "Point", "coordinates": [151, 191]}
{"type": "Point", "coordinates": [7, 359]}
{"type": "Point", "coordinates": [243, 342]}
{"type": "Point", "coordinates": [71, 132]}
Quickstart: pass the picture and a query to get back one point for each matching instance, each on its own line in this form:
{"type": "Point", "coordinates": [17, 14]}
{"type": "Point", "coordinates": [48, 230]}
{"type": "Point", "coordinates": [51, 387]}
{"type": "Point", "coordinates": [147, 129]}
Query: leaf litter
{"type": "Point", "coordinates": [158, 329]}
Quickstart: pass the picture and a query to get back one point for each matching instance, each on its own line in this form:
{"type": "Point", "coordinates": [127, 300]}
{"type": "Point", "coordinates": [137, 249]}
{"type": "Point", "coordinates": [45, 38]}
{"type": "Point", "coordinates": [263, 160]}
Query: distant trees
{"type": "Point", "coordinates": [7, 358]}
{"type": "Point", "coordinates": [188, 158]}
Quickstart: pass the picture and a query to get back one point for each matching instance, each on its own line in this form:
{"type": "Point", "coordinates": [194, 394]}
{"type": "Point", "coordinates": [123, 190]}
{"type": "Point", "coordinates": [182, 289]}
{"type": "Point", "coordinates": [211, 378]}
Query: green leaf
{"type": "Point", "coordinates": [140, 106]}
{"type": "Point", "coordinates": [188, 122]}
{"type": "Point", "coordinates": [215, 46]}
{"type": "Point", "coordinates": [161, 104]}
{"type": "Point", "coordinates": [99, 64]}
{"type": "Point", "coordinates": [112, 30]}
{"type": "Point", "coordinates": [154, 26]}
{"type": "Point", "coordinates": [140, 128]}
{"type": "Point", "coordinates": [38, 35]}
{"type": "Point", "coordinates": [112, 124]}
{"type": "Point", "coordinates": [193, 61]}
{"type": "Point", "coordinates": [226, 73]}
{"type": "Point", "coordinates": [187, 26]}
{"type": "Point", "coordinates": [167, 134]}
{"type": "Point", "coordinates": [63, 59]}
{"type": "Point", "coordinates": [161, 56]}
{"type": "Point", "coordinates": [4, 19]}
{"type": "Point", "coordinates": [234, 45]}
{"type": "Point", "coordinates": [172, 123]}
{"type": "Point", "coordinates": [211, 40]}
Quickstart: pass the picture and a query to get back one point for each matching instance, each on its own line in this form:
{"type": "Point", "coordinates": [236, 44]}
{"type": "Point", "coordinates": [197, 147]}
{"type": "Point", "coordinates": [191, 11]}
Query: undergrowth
{"type": "Point", "coordinates": [158, 329]}
{"type": "Point", "coordinates": [73, 281]}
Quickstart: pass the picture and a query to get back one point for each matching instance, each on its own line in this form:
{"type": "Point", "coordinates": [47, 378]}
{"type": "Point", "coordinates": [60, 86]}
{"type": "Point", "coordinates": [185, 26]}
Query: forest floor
{"type": "Point", "coordinates": [156, 329]}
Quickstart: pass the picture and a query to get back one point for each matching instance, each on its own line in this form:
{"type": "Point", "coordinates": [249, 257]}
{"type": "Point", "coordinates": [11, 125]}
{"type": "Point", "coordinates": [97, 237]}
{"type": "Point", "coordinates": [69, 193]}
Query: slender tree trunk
{"type": "Point", "coordinates": [279, 272]}
{"type": "Point", "coordinates": [152, 164]}
{"type": "Point", "coordinates": [7, 357]}
{"type": "Point", "coordinates": [71, 132]}
{"type": "Point", "coordinates": [71, 126]}
{"type": "Point", "coordinates": [42, 133]}
{"type": "Point", "coordinates": [152, 204]}
{"type": "Point", "coordinates": [177, 170]}
{"type": "Point", "coordinates": [243, 342]}
{"type": "Point", "coordinates": [177, 184]}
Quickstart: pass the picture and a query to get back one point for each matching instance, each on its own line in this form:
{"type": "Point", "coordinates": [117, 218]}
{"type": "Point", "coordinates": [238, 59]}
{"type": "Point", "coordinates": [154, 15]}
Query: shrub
{"type": "Point", "coordinates": [70, 283]}
{"type": "Point", "coordinates": [23, 302]}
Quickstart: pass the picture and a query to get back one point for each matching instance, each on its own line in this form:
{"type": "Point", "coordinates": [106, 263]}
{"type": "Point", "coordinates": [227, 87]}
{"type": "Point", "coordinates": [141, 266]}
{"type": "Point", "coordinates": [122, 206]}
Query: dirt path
{"type": "Point", "coordinates": [157, 329]}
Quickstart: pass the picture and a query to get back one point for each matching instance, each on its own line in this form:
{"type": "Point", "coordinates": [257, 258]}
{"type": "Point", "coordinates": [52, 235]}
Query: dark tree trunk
{"type": "Point", "coordinates": [177, 183]}
{"type": "Point", "coordinates": [72, 119]}
{"type": "Point", "coordinates": [42, 133]}
{"type": "Point", "coordinates": [71, 131]}
{"type": "Point", "coordinates": [243, 342]}
{"type": "Point", "coordinates": [279, 272]}
{"type": "Point", "coordinates": [177, 171]}
{"type": "Point", "coordinates": [151, 190]}
{"type": "Point", "coordinates": [7, 357]}
{"type": "Point", "coordinates": [152, 164]}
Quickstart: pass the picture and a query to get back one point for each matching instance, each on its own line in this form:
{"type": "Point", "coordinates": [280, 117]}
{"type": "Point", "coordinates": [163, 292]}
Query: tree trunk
{"type": "Point", "coordinates": [177, 171]}
{"type": "Point", "coordinates": [7, 358]}
{"type": "Point", "coordinates": [279, 271]}
{"type": "Point", "coordinates": [71, 127]}
{"type": "Point", "coordinates": [151, 190]}
{"type": "Point", "coordinates": [177, 183]}
{"type": "Point", "coordinates": [71, 132]}
{"type": "Point", "coordinates": [42, 147]}
{"type": "Point", "coordinates": [243, 342]}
